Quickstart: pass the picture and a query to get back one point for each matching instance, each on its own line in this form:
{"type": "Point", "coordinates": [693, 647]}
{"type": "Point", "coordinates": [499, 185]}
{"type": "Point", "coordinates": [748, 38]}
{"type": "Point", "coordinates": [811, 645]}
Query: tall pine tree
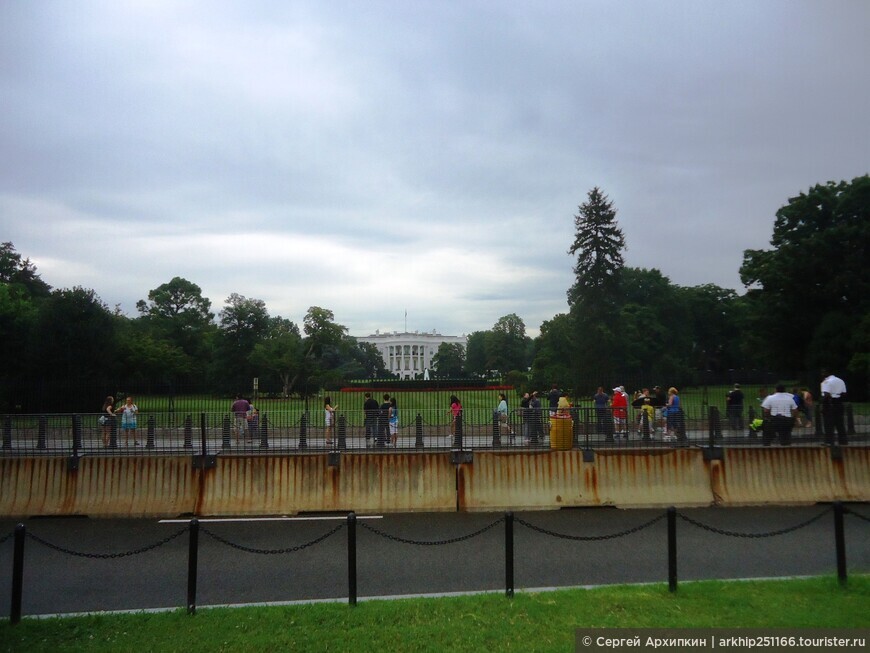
{"type": "Point", "coordinates": [594, 296]}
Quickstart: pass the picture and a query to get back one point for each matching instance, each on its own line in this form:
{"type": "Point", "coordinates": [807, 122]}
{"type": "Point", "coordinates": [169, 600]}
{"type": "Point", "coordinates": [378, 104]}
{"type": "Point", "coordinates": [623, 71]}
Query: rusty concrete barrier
{"type": "Point", "coordinates": [286, 485]}
{"type": "Point", "coordinates": [775, 475]}
{"type": "Point", "coordinates": [100, 487]}
{"type": "Point", "coordinates": [852, 474]}
{"type": "Point", "coordinates": [556, 479]}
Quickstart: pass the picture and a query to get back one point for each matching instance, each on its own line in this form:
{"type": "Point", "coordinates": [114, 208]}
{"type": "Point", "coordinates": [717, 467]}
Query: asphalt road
{"type": "Point", "coordinates": [57, 582]}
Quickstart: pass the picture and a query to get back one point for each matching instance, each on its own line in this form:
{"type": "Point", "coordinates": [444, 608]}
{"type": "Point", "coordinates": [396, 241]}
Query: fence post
{"type": "Point", "coordinates": [840, 539]}
{"type": "Point", "coordinates": [202, 434]}
{"type": "Point", "coordinates": [192, 555]}
{"type": "Point", "coordinates": [77, 434]}
{"type": "Point", "coordinates": [188, 432]}
{"type": "Point", "coordinates": [303, 431]}
{"type": "Point", "coordinates": [496, 434]}
{"type": "Point", "coordinates": [226, 433]}
{"type": "Point", "coordinates": [575, 427]}
{"type": "Point", "coordinates": [342, 432]}
{"type": "Point", "coordinates": [457, 438]}
{"type": "Point", "coordinates": [7, 432]}
{"type": "Point", "coordinates": [264, 432]}
{"type": "Point", "coordinates": [150, 430]}
{"type": "Point", "coordinates": [418, 431]}
{"type": "Point", "coordinates": [113, 432]}
{"type": "Point", "coordinates": [672, 549]}
{"type": "Point", "coordinates": [714, 426]}
{"type": "Point", "coordinates": [850, 420]}
{"type": "Point", "coordinates": [509, 554]}
{"type": "Point", "coordinates": [17, 574]}
{"type": "Point", "coordinates": [41, 431]}
{"type": "Point", "coordinates": [351, 558]}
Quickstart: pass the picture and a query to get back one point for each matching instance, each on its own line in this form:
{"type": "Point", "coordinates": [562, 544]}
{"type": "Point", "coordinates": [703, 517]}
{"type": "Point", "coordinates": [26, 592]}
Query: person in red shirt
{"type": "Point", "coordinates": [619, 406]}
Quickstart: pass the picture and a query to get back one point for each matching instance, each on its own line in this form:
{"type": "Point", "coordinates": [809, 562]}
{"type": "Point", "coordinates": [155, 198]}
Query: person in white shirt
{"type": "Point", "coordinates": [833, 398]}
{"type": "Point", "coordinates": [779, 411]}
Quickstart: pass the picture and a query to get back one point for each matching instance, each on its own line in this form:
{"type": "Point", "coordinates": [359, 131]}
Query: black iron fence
{"type": "Point", "coordinates": [298, 430]}
{"type": "Point", "coordinates": [21, 535]}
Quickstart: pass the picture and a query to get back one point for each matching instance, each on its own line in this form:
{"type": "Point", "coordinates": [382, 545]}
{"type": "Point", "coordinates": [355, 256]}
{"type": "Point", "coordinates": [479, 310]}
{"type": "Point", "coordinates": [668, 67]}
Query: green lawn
{"type": "Point", "coordinates": [528, 622]}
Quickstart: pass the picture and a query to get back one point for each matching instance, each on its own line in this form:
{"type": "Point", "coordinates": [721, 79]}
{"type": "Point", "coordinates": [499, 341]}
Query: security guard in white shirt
{"type": "Point", "coordinates": [779, 411]}
{"type": "Point", "coordinates": [833, 398]}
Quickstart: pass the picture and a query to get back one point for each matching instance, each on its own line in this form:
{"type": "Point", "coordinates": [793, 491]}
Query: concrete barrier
{"type": "Point", "coordinates": [102, 487]}
{"type": "Point", "coordinates": [286, 485]}
{"type": "Point", "coordinates": [556, 479]}
{"type": "Point", "coordinates": [130, 486]}
{"type": "Point", "coordinates": [774, 475]}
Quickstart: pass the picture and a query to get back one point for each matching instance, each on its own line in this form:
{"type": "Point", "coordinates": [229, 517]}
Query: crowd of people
{"type": "Point", "coordinates": [657, 413]}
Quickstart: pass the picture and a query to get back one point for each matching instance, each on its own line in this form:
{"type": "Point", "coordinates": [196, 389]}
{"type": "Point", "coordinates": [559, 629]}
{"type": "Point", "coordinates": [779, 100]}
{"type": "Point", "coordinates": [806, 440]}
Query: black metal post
{"type": "Point", "coordinates": [418, 431]}
{"type": "Point", "coordinates": [77, 434]}
{"type": "Point", "coordinates": [264, 432]}
{"type": "Point", "coordinates": [850, 420]}
{"type": "Point", "coordinates": [17, 574]}
{"type": "Point", "coordinates": [672, 549]}
{"type": "Point", "coordinates": [342, 432]}
{"type": "Point", "coordinates": [150, 430]}
{"type": "Point", "coordinates": [714, 426]}
{"type": "Point", "coordinates": [192, 556]}
{"type": "Point", "coordinates": [840, 538]}
{"type": "Point", "coordinates": [457, 438]}
{"type": "Point", "coordinates": [113, 432]}
{"type": "Point", "coordinates": [496, 434]}
{"type": "Point", "coordinates": [303, 431]}
{"type": "Point", "coordinates": [188, 432]}
{"type": "Point", "coordinates": [351, 559]}
{"type": "Point", "coordinates": [7, 432]}
{"type": "Point", "coordinates": [509, 554]}
{"type": "Point", "coordinates": [202, 434]}
{"type": "Point", "coordinates": [226, 433]}
{"type": "Point", "coordinates": [42, 428]}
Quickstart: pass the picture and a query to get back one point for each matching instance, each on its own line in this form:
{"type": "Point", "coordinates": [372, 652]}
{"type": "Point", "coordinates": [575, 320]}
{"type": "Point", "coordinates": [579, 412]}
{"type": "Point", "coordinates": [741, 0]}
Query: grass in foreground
{"type": "Point", "coordinates": [528, 622]}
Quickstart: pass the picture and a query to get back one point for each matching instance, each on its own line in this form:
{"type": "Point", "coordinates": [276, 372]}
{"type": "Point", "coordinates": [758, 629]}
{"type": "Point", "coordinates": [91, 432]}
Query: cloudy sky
{"type": "Point", "coordinates": [378, 157]}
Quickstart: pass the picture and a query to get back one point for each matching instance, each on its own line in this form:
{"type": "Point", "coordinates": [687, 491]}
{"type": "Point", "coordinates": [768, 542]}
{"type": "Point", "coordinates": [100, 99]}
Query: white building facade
{"type": "Point", "coordinates": [410, 354]}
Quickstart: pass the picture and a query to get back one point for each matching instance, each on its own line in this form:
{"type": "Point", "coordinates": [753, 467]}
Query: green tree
{"type": "Point", "coordinates": [243, 323]}
{"type": "Point", "coordinates": [177, 312]}
{"type": "Point", "coordinates": [476, 362]}
{"type": "Point", "coordinates": [75, 340]}
{"type": "Point", "coordinates": [282, 352]}
{"type": "Point", "coordinates": [810, 291]}
{"type": "Point", "coordinates": [594, 297]}
{"type": "Point", "coordinates": [506, 345]}
{"type": "Point", "coordinates": [20, 273]}
{"type": "Point", "coordinates": [553, 352]}
{"type": "Point", "coordinates": [449, 360]}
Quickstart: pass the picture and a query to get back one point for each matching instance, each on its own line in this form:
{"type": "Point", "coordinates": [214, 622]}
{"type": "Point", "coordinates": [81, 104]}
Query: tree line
{"type": "Point", "coordinates": [805, 308]}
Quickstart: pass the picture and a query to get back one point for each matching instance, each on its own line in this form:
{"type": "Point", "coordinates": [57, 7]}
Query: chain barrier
{"type": "Point", "coordinates": [248, 549]}
{"type": "Point", "coordinates": [6, 537]}
{"type": "Point", "coordinates": [589, 538]}
{"type": "Point", "coordinates": [452, 540]}
{"type": "Point", "coordinates": [783, 531]}
{"type": "Point", "coordinates": [107, 556]}
{"type": "Point", "coordinates": [846, 509]}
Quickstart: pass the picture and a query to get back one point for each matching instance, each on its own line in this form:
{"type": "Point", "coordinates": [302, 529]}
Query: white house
{"type": "Point", "coordinates": [410, 354]}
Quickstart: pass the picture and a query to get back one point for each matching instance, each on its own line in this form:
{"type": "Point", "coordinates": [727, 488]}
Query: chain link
{"type": "Point", "coordinates": [453, 540]}
{"type": "Point", "coordinates": [6, 537]}
{"type": "Point", "coordinates": [107, 556]}
{"type": "Point", "coordinates": [783, 531]}
{"type": "Point", "coordinates": [848, 511]}
{"type": "Point", "coordinates": [589, 538]}
{"type": "Point", "coordinates": [248, 549]}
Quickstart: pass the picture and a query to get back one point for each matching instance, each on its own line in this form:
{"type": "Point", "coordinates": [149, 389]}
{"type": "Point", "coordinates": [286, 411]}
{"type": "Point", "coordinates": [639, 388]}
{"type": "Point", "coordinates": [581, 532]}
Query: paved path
{"type": "Point", "coordinates": [59, 583]}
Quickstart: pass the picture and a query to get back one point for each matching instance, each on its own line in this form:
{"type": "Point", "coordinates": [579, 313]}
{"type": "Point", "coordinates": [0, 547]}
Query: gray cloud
{"type": "Point", "coordinates": [377, 157]}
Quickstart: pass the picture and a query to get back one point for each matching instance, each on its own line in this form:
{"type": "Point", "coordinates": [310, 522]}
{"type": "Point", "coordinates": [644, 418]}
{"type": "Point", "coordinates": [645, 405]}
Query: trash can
{"type": "Point", "coordinates": [561, 433]}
